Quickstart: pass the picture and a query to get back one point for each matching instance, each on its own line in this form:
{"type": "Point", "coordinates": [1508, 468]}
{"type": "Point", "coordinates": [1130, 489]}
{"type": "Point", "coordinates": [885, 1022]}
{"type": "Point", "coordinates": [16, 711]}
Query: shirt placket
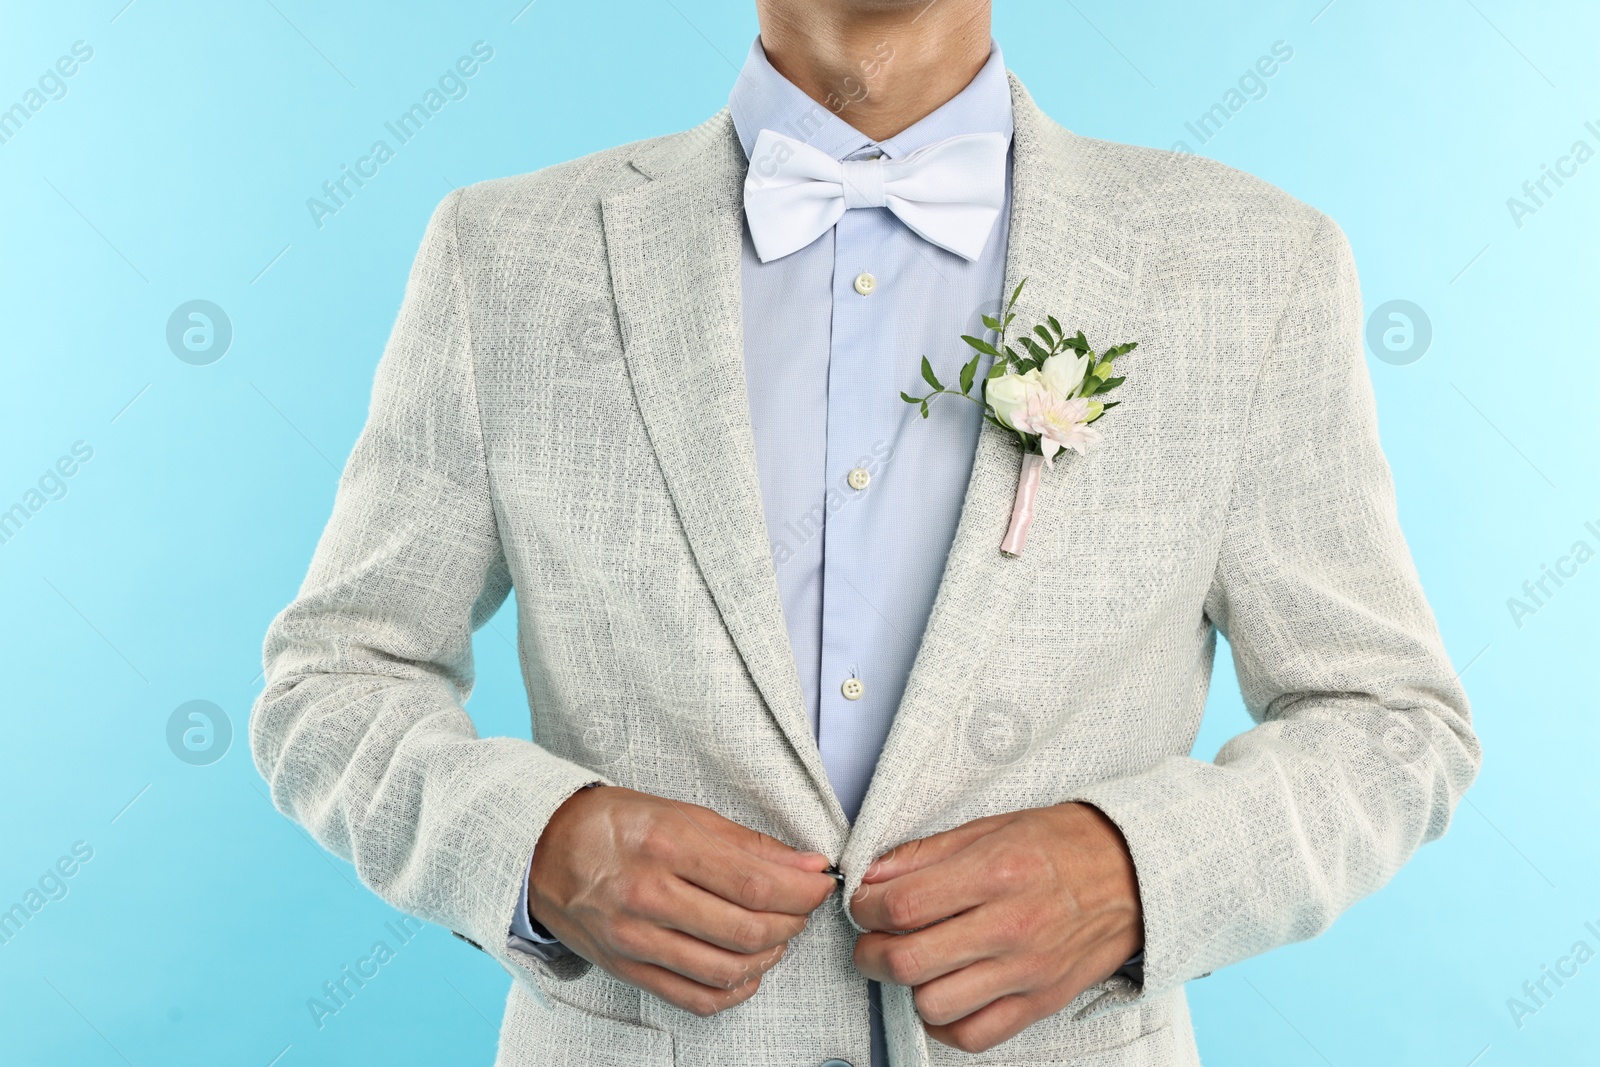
{"type": "Point", "coordinates": [860, 376]}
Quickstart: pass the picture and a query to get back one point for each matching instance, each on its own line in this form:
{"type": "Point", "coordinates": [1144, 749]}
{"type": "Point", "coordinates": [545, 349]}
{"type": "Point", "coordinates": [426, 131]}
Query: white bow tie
{"type": "Point", "coordinates": [949, 192]}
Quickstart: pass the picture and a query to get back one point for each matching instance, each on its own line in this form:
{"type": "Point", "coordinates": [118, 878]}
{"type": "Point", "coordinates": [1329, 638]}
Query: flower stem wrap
{"type": "Point", "coordinates": [1022, 510]}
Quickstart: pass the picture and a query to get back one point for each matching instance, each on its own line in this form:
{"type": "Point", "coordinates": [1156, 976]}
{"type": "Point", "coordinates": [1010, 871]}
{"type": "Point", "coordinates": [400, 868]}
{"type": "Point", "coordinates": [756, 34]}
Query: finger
{"type": "Point", "coordinates": [914, 959]}
{"type": "Point", "coordinates": [752, 841]}
{"type": "Point", "coordinates": [925, 851]}
{"type": "Point", "coordinates": [984, 1029]}
{"type": "Point", "coordinates": [705, 964]}
{"type": "Point", "coordinates": [923, 896]}
{"type": "Point", "coordinates": [687, 908]}
{"type": "Point", "coordinates": [969, 990]}
{"type": "Point", "coordinates": [751, 882]}
{"type": "Point", "coordinates": [679, 991]}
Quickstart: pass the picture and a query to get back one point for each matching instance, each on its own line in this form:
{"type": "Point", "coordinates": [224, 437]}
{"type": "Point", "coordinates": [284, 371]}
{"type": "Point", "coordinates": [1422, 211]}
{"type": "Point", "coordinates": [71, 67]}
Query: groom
{"type": "Point", "coordinates": [819, 775]}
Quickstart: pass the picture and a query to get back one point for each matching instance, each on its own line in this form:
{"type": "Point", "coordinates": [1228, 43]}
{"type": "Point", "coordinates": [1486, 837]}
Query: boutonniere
{"type": "Point", "coordinates": [1046, 395]}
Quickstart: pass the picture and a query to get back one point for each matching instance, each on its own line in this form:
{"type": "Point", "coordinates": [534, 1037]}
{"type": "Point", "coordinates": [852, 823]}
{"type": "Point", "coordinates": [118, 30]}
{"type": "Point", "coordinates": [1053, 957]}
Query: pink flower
{"type": "Point", "coordinates": [1060, 423]}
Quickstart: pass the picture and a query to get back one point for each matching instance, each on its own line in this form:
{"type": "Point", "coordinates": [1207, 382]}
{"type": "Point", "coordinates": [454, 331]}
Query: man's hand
{"type": "Point", "coordinates": [1039, 905]}
{"type": "Point", "coordinates": [671, 897]}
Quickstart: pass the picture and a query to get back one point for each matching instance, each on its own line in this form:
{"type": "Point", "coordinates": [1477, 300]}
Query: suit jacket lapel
{"type": "Point", "coordinates": [674, 246]}
{"type": "Point", "coordinates": [1080, 264]}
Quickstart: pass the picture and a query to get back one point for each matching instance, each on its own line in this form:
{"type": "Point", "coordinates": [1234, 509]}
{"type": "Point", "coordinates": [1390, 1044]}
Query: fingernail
{"type": "Point", "coordinates": [877, 865]}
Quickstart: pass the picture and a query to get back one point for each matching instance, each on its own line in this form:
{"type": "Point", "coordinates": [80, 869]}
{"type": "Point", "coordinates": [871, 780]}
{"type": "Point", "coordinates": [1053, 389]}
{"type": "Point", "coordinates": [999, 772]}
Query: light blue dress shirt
{"type": "Point", "coordinates": [862, 494]}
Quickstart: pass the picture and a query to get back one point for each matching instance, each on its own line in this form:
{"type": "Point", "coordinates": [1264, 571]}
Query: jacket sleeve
{"type": "Point", "coordinates": [1363, 743]}
{"type": "Point", "coordinates": [361, 730]}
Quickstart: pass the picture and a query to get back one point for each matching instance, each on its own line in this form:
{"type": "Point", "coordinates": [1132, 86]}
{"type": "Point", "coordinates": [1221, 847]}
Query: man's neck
{"type": "Point", "coordinates": [881, 67]}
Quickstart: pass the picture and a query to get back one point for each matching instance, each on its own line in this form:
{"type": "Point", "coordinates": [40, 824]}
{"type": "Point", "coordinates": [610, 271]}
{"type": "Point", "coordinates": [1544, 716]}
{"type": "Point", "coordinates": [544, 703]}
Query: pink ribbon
{"type": "Point", "coordinates": [1022, 510]}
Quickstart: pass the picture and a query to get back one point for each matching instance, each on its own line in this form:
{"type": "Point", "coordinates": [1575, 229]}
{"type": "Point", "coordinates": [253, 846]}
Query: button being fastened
{"type": "Point", "coordinates": [852, 688]}
{"type": "Point", "coordinates": [866, 284]}
{"type": "Point", "coordinates": [859, 478]}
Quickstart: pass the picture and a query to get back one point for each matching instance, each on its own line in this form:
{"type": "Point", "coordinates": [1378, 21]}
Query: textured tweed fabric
{"type": "Point", "coordinates": [561, 410]}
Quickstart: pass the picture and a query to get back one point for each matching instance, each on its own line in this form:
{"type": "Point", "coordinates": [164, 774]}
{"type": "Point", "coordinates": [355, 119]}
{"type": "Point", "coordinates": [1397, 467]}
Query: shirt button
{"type": "Point", "coordinates": [852, 688]}
{"type": "Point", "coordinates": [866, 283]}
{"type": "Point", "coordinates": [859, 478]}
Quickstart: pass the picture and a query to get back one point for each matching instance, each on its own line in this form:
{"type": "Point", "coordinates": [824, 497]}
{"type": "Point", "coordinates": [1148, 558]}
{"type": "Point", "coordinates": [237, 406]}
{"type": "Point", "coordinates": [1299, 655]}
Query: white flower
{"type": "Point", "coordinates": [1060, 423]}
{"type": "Point", "coordinates": [1063, 372]}
{"type": "Point", "coordinates": [1009, 393]}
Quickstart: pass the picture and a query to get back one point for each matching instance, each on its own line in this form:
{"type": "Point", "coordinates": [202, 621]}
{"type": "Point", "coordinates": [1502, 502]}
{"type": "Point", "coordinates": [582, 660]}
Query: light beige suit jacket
{"type": "Point", "coordinates": [561, 410]}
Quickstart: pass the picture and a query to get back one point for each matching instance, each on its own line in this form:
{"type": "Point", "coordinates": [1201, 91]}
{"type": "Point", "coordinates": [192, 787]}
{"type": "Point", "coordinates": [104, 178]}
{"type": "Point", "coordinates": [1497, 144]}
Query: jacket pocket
{"type": "Point", "coordinates": [562, 1035]}
{"type": "Point", "coordinates": [1158, 1048]}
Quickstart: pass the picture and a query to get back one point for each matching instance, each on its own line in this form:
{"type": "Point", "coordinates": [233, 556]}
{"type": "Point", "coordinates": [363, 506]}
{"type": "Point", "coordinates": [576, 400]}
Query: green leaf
{"type": "Point", "coordinates": [1016, 293]}
{"type": "Point", "coordinates": [924, 409]}
{"type": "Point", "coordinates": [1035, 349]}
{"type": "Point", "coordinates": [928, 375]}
{"type": "Point", "coordinates": [1009, 318]}
{"type": "Point", "coordinates": [1044, 335]}
{"type": "Point", "coordinates": [909, 399]}
{"type": "Point", "coordinates": [1054, 325]}
{"type": "Point", "coordinates": [982, 346]}
{"type": "Point", "coordinates": [967, 374]}
{"type": "Point", "coordinates": [991, 322]}
{"type": "Point", "coordinates": [1011, 354]}
{"type": "Point", "coordinates": [996, 371]}
{"type": "Point", "coordinates": [1110, 384]}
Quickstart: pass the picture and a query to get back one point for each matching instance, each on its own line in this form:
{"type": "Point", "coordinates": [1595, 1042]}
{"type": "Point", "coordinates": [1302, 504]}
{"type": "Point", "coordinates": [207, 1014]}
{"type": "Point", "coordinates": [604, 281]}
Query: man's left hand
{"type": "Point", "coordinates": [1011, 917]}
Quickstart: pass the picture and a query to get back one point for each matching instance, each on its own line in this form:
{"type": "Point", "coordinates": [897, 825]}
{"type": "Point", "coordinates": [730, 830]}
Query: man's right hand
{"type": "Point", "coordinates": [671, 897]}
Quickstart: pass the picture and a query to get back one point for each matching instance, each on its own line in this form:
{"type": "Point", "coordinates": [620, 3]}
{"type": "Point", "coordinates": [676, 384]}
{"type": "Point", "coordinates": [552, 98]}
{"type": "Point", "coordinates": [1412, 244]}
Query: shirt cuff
{"type": "Point", "coordinates": [527, 935]}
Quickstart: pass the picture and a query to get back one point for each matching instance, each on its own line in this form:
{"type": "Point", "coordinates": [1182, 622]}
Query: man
{"type": "Point", "coordinates": [763, 610]}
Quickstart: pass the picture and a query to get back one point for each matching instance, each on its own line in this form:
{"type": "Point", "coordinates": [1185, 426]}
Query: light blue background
{"type": "Point", "coordinates": [177, 166]}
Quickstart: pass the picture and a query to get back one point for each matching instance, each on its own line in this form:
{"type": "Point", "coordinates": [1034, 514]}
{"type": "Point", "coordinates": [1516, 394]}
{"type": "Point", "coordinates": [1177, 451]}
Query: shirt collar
{"type": "Point", "coordinates": [762, 99]}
